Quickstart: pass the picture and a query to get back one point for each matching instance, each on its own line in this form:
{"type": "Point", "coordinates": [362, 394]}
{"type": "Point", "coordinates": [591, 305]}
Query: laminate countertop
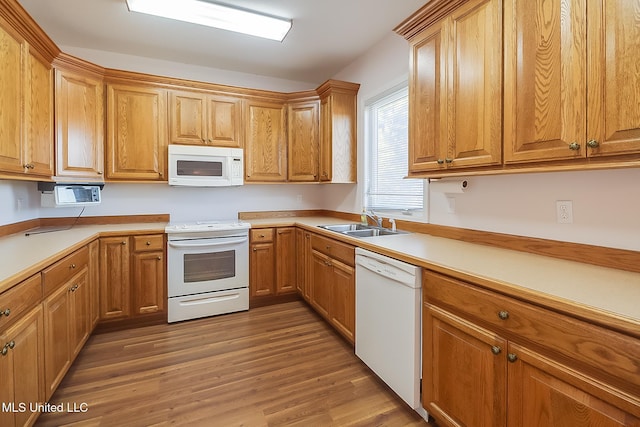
{"type": "Point", "coordinates": [22, 256]}
{"type": "Point", "coordinates": [555, 282]}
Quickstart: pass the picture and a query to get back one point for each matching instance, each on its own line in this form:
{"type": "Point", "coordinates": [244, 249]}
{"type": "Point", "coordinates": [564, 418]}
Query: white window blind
{"type": "Point", "coordinates": [387, 158]}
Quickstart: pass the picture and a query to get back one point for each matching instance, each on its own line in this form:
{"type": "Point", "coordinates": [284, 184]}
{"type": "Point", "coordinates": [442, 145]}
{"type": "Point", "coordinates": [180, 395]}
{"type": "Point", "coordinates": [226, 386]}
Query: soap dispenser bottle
{"type": "Point", "coordinates": [363, 217]}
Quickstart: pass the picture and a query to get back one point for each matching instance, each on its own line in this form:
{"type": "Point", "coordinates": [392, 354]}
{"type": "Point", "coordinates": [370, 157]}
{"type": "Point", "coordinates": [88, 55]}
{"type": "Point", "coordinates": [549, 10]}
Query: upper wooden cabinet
{"type": "Point", "coordinates": [304, 141]}
{"type": "Point", "coordinates": [26, 96]}
{"type": "Point", "coordinates": [338, 145]}
{"type": "Point", "coordinates": [79, 125]}
{"type": "Point", "coordinates": [455, 114]}
{"type": "Point", "coordinates": [265, 141]}
{"type": "Point", "coordinates": [565, 98]}
{"type": "Point", "coordinates": [136, 133]}
{"type": "Point", "coordinates": [198, 118]}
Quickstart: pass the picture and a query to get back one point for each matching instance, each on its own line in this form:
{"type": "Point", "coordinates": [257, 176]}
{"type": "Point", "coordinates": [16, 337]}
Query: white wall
{"type": "Point", "coordinates": [606, 204]}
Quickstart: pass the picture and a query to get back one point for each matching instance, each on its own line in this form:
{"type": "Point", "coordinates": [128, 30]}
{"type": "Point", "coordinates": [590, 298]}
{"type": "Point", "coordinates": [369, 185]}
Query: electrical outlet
{"type": "Point", "coordinates": [564, 211]}
{"type": "Point", "coordinates": [451, 204]}
{"type": "Point", "coordinates": [299, 199]}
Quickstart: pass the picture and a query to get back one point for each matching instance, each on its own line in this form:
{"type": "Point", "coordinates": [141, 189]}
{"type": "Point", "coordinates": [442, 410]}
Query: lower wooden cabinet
{"type": "Point", "coordinates": [303, 255]}
{"type": "Point", "coordinates": [491, 360]}
{"type": "Point", "coordinates": [132, 277]}
{"type": "Point", "coordinates": [332, 283]}
{"type": "Point", "coordinates": [272, 262]}
{"type": "Point", "coordinates": [22, 368]}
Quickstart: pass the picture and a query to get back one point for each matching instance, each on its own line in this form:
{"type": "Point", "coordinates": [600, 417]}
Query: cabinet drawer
{"type": "Point", "coordinates": [64, 269]}
{"type": "Point", "coordinates": [335, 249]}
{"type": "Point", "coordinates": [17, 300]}
{"type": "Point", "coordinates": [262, 235]}
{"type": "Point", "coordinates": [152, 242]}
{"type": "Point", "coordinates": [607, 352]}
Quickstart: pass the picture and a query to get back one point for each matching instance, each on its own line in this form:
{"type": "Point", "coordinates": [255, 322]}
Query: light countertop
{"type": "Point", "coordinates": [601, 290]}
{"type": "Point", "coordinates": [605, 290]}
{"type": "Point", "coordinates": [21, 256]}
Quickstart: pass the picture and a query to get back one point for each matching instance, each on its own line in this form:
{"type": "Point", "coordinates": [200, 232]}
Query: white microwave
{"type": "Point", "coordinates": [204, 166]}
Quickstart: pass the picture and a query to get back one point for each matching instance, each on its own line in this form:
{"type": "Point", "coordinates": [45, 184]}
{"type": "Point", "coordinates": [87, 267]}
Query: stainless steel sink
{"type": "Point", "coordinates": [361, 230]}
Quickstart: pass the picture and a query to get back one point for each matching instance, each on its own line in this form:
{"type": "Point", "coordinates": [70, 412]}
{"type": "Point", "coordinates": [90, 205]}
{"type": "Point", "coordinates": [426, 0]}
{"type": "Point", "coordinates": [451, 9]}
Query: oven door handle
{"type": "Point", "coordinates": [208, 244]}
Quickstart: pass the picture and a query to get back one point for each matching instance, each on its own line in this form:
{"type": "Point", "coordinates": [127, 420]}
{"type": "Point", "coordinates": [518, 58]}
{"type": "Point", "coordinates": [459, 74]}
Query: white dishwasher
{"type": "Point", "coordinates": [388, 322]}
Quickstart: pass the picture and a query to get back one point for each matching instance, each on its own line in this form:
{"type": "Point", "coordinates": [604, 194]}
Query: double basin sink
{"type": "Point", "coordinates": [361, 230]}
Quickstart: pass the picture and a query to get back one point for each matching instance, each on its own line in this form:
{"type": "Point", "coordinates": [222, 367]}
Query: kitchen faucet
{"type": "Point", "coordinates": [377, 219]}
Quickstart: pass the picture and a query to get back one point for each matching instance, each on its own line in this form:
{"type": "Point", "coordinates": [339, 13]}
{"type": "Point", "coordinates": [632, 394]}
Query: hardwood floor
{"type": "Point", "coordinates": [272, 366]}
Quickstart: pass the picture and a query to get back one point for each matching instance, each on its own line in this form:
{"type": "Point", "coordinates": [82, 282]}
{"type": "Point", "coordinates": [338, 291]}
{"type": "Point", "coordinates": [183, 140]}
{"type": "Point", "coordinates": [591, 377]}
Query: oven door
{"type": "Point", "coordinates": [208, 264]}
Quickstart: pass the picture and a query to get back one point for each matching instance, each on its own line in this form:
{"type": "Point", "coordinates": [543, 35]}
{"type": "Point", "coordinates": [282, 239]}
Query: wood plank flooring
{"type": "Point", "coordinates": [271, 366]}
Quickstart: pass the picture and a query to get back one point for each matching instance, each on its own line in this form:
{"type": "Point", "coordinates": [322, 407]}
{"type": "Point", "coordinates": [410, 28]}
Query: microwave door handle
{"type": "Point", "coordinates": [201, 245]}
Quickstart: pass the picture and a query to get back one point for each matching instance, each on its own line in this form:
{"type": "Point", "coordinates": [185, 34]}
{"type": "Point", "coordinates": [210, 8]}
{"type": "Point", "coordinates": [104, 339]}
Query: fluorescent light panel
{"type": "Point", "coordinates": [215, 15]}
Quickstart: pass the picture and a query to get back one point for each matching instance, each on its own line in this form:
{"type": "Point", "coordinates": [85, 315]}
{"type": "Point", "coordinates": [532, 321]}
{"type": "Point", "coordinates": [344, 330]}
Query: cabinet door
{"type": "Point", "coordinates": [136, 133]}
{"type": "Point", "coordinates": [320, 277]}
{"type": "Point", "coordinates": [285, 260]}
{"type": "Point", "coordinates": [22, 369]}
{"type": "Point", "coordinates": [343, 302]}
{"type": "Point", "coordinates": [262, 269]}
{"type": "Point", "coordinates": [94, 282]}
{"type": "Point", "coordinates": [545, 393]}
{"type": "Point", "coordinates": [224, 121]}
{"type": "Point", "coordinates": [57, 321]}
{"type": "Point", "coordinates": [464, 371]}
{"type": "Point", "coordinates": [115, 282]}
{"type": "Point", "coordinates": [11, 93]}
{"type": "Point", "coordinates": [427, 101]}
{"type": "Point", "coordinates": [303, 253]}
{"type": "Point", "coordinates": [79, 126]}
{"type": "Point", "coordinates": [148, 285]}
{"type": "Point", "coordinates": [544, 79]}
{"type": "Point", "coordinates": [304, 144]}
{"type": "Point", "coordinates": [38, 117]}
{"type": "Point", "coordinates": [80, 317]}
{"type": "Point", "coordinates": [614, 78]}
{"type": "Point", "coordinates": [188, 118]}
{"type": "Point", "coordinates": [338, 151]}
{"type": "Point", "coordinates": [474, 85]}
{"type": "Point", "coordinates": [266, 145]}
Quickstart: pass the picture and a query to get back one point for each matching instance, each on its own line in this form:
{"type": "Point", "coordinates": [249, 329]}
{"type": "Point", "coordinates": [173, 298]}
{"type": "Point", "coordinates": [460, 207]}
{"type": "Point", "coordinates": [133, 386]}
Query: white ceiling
{"type": "Point", "coordinates": [326, 36]}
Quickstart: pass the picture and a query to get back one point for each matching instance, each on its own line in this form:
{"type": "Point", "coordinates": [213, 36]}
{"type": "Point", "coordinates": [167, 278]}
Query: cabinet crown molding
{"type": "Point", "coordinates": [425, 16]}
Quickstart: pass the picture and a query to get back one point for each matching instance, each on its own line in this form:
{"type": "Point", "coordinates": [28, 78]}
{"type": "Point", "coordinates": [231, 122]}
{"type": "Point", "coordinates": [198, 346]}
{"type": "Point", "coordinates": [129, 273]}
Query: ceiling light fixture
{"type": "Point", "coordinates": [215, 15]}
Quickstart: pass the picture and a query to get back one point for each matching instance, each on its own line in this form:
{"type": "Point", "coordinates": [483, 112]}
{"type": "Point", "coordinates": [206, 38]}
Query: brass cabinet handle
{"type": "Point", "coordinates": [261, 236]}
{"type": "Point", "coordinates": [72, 266]}
{"type": "Point", "coordinates": [574, 146]}
{"type": "Point", "coordinates": [592, 143]}
{"type": "Point", "coordinates": [440, 161]}
{"type": "Point", "coordinates": [448, 160]}
{"type": "Point", "coordinates": [159, 258]}
{"type": "Point", "coordinates": [504, 315]}
{"type": "Point", "coordinates": [512, 357]}
{"type": "Point", "coordinates": [495, 349]}
{"type": "Point", "coordinates": [6, 312]}
{"type": "Point", "coordinates": [255, 249]}
{"type": "Point", "coordinates": [124, 242]}
{"type": "Point", "coordinates": [12, 344]}
{"type": "Point", "coordinates": [73, 288]}
{"type": "Point", "coordinates": [5, 349]}
{"type": "Point", "coordinates": [148, 243]}
{"type": "Point", "coordinates": [99, 172]}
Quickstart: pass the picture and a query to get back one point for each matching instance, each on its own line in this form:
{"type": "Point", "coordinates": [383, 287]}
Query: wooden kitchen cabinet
{"type": "Point", "coordinates": [26, 94]}
{"type": "Point", "coordinates": [198, 118]}
{"type": "Point", "coordinates": [332, 283]}
{"type": "Point", "coordinates": [456, 116]}
{"type": "Point", "coordinates": [338, 118]}
{"type": "Point", "coordinates": [491, 360]}
{"type": "Point", "coordinates": [148, 279]}
{"type": "Point", "coordinates": [132, 277]}
{"type": "Point", "coordinates": [79, 125]}
{"type": "Point", "coordinates": [67, 322]}
{"type": "Point", "coordinates": [272, 262]}
{"type": "Point", "coordinates": [303, 259]}
{"type": "Point", "coordinates": [265, 141]}
{"type": "Point", "coordinates": [22, 368]}
{"type": "Point", "coordinates": [94, 282]}
{"type": "Point", "coordinates": [136, 147]}
{"type": "Point", "coordinates": [564, 98]}
{"type": "Point", "coordinates": [304, 141]}
{"type": "Point", "coordinates": [115, 278]}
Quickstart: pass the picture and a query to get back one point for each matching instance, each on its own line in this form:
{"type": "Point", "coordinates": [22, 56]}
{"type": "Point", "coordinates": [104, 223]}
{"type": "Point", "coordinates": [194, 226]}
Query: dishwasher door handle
{"type": "Point", "coordinates": [387, 271]}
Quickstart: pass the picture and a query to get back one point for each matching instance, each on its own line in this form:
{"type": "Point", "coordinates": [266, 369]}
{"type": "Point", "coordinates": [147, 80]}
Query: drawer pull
{"type": "Point", "coordinates": [255, 249]}
{"type": "Point", "coordinates": [5, 349]}
{"type": "Point", "coordinates": [512, 357]}
{"type": "Point", "coordinates": [148, 243]}
{"type": "Point", "coordinates": [495, 349]}
{"type": "Point", "coordinates": [159, 258]}
{"type": "Point", "coordinates": [6, 312]}
{"type": "Point", "coordinates": [124, 242]}
{"type": "Point", "coordinates": [11, 344]}
{"type": "Point", "coordinates": [262, 236]}
{"type": "Point", "coordinates": [504, 315]}
{"type": "Point", "coordinates": [574, 146]}
{"type": "Point", "coordinates": [592, 143]}
{"type": "Point", "coordinates": [73, 288]}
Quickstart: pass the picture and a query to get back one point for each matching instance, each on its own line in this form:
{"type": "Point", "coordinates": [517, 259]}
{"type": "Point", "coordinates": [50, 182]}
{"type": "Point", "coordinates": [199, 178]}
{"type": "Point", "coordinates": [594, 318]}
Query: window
{"type": "Point", "coordinates": [386, 138]}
